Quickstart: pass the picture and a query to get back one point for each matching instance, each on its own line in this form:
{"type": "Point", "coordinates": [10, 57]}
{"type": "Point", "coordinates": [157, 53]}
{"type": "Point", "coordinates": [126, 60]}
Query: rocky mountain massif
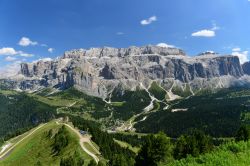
{"type": "Point", "coordinates": [98, 71]}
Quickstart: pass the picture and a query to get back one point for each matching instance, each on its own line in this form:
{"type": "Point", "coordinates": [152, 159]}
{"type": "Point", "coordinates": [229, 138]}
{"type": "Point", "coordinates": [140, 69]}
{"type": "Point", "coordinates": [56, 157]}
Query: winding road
{"type": "Point", "coordinates": [83, 140]}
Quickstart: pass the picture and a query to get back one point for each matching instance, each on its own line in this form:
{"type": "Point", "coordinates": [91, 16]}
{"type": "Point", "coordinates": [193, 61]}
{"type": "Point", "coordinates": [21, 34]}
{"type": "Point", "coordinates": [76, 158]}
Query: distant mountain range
{"type": "Point", "coordinates": [98, 71]}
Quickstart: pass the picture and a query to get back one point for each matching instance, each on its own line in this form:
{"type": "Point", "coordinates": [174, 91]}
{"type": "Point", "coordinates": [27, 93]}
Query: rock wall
{"type": "Point", "coordinates": [99, 70]}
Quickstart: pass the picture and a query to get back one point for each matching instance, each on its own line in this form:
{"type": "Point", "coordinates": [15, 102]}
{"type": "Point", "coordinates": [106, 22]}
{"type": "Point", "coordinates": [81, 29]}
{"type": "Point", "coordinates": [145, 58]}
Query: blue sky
{"type": "Point", "coordinates": [35, 29]}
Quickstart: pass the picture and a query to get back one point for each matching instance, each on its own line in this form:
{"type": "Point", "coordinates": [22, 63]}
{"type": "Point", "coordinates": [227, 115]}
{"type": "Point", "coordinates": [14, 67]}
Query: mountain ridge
{"type": "Point", "coordinates": [98, 71]}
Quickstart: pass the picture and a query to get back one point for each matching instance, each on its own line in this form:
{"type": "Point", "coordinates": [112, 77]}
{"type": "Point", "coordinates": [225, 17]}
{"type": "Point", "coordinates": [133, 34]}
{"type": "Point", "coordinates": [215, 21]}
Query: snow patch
{"type": "Point", "coordinates": [179, 110]}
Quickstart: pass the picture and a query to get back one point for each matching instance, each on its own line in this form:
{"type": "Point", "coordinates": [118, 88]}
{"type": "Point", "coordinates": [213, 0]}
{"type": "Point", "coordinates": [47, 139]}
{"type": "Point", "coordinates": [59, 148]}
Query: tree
{"type": "Point", "coordinates": [121, 160]}
{"type": "Point", "coordinates": [157, 148]}
{"type": "Point", "coordinates": [61, 140]}
{"type": "Point", "coordinates": [194, 144]}
{"type": "Point", "coordinates": [92, 163]}
{"type": "Point", "coordinates": [243, 134]}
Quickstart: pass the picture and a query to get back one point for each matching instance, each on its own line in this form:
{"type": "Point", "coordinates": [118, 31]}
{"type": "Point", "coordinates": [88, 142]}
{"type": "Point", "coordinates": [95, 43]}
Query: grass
{"type": "Point", "coordinates": [8, 92]}
{"type": "Point", "coordinates": [132, 133]}
{"type": "Point", "coordinates": [37, 149]}
{"type": "Point", "coordinates": [14, 140]}
{"type": "Point", "coordinates": [90, 148]}
{"type": "Point", "coordinates": [157, 91]}
{"type": "Point", "coordinates": [54, 101]}
{"type": "Point", "coordinates": [95, 145]}
{"type": "Point", "coordinates": [126, 145]}
{"type": "Point", "coordinates": [118, 104]}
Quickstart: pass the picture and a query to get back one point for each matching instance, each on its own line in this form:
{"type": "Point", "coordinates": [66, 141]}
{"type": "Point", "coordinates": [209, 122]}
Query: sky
{"type": "Point", "coordinates": [44, 29]}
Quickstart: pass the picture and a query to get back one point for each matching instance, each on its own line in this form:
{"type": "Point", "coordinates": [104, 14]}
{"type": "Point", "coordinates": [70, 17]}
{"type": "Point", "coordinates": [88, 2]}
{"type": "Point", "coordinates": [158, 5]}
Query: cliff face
{"type": "Point", "coordinates": [246, 68]}
{"type": "Point", "coordinates": [99, 70]}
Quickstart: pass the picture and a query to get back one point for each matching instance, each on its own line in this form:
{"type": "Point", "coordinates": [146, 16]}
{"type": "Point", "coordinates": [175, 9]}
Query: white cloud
{"type": "Point", "coordinates": [204, 33]}
{"type": "Point", "coordinates": [11, 51]}
{"type": "Point", "coordinates": [7, 51]}
{"type": "Point", "coordinates": [24, 41]}
{"type": "Point", "coordinates": [10, 58]}
{"type": "Point", "coordinates": [236, 49]}
{"type": "Point", "coordinates": [149, 20]}
{"type": "Point", "coordinates": [243, 56]}
{"type": "Point", "coordinates": [165, 45]}
{"type": "Point", "coordinates": [51, 50]}
{"type": "Point", "coordinates": [207, 32]}
{"type": "Point", "coordinates": [23, 54]}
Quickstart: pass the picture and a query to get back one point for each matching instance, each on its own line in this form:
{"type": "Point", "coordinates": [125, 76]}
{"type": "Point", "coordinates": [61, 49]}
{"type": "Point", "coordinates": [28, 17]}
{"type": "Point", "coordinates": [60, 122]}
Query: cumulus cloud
{"type": "Point", "coordinates": [149, 20]}
{"type": "Point", "coordinates": [165, 45]}
{"type": "Point", "coordinates": [10, 58]}
{"type": "Point", "coordinates": [7, 51]}
{"type": "Point", "coordinates": [25, 41]}
{"type": "Point", "coordinates": [51, 50]}
{"type": "Point", "coordinates": [206, 32]}
{"type": "Point", "coordinates": [243, 56]}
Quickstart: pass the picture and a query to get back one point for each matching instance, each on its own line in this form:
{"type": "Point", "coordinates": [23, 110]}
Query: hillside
{"type": "Point", "coordinates": [20, 112]}
{"type": "Point", "coordinates": [48, 144]}
{"type": "Point", "coordinates": [217, 113]}
{"type": "Point", "coordinates": [230, 154]}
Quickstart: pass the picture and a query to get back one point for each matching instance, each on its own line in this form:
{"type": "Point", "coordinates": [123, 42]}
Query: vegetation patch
{"type": "Point", "coordinates": [157, 91]}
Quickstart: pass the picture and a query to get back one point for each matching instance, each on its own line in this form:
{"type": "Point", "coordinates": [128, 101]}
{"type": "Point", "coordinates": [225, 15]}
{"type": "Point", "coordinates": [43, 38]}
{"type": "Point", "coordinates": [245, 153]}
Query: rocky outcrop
{"type": "Point", "coordinates": [246, 68]}
{"type": "Point", "coordinates": [98, 71]}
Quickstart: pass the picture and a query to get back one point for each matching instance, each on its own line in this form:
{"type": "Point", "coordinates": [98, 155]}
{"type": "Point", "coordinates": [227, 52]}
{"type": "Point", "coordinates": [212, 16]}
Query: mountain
{"type": "Point", "coordinates": [99, 71]}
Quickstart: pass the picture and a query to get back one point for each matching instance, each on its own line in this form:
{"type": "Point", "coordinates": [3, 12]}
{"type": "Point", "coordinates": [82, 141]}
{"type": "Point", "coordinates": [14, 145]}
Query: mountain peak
{"type": "Point", "coordinates": [122, 52]}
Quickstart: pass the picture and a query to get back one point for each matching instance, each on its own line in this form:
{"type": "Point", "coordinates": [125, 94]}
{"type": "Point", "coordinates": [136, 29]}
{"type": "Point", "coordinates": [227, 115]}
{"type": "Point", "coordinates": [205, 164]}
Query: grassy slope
{"type": "Point", "coordinates": [37, 148]}
{"type": "Point", "coordinates": [20, 112]}
{"type": "Point", "coordinates": [157, 91]}
{"type": "Point", "coordinates": [230, 154]}
{"type": "Point", "coordinates": [129, 103]}
{"type": "Point", "coordinates": [127, 145]}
